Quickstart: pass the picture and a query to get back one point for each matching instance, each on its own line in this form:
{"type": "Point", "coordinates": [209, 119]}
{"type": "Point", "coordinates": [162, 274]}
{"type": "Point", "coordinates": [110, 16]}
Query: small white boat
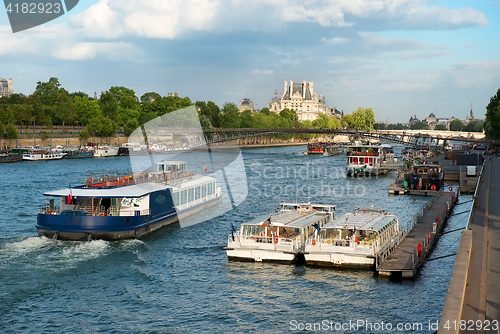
{"type": "Point", "coordinates": [356, 240]}
{"type": "Point", "coordinates": [41, 154]}
{"type": "Point", "coordinates": [280, 238]}
{"type": "Point", "coordinates": [106, 151]}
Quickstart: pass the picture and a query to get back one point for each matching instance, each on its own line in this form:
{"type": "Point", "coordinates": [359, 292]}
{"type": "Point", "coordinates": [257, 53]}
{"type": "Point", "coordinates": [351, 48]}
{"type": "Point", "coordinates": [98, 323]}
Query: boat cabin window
{"type": "Point", "coordinates": [252, 229]}
{"type": "Point", "coordinates": [204, 190]}
{"type": "Point", "coordinates": [332, 234]}
{"type": "Point", "coordinates": [184, 196]}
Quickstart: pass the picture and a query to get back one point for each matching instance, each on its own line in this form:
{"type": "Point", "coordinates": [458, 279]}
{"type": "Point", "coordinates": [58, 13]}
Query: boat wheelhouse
{"type": "Point", "coordinates": [321, 148]}
{"type": "Point", "coordinates": [112, 206]}
{"type": "Point", "coordinates": [106, 151]}
{"type": "Point", "coordinates": [426, 177]}
{"type": "Point", "coordinates": [359, 239]}
{"type": "Point", "coordinates": [370, 159]}
{"type": "Point", "coordinates": [280, 238]}
{"type": "Point", "coordinates": [42, 154]}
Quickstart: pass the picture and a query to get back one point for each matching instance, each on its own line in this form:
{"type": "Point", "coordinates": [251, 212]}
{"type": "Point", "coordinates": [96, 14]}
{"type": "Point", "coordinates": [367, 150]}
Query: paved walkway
{"type": "Point", "coordinates": [482, 293]}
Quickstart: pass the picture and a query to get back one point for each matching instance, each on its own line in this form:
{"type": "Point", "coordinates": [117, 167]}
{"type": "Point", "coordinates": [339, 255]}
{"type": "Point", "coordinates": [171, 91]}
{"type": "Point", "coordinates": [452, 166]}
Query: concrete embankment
{"type": "Point", "coordinates": [473, 299]}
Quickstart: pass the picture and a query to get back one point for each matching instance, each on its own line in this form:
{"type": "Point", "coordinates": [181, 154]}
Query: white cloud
{"type": "Point", "coordinates": [335, 40]}
{"type": "Point", "coordinates": [257, 71]}
{"type": "Point", "coordinates": [83, 51]}
{"type": "Point", "coordinates": [418, 54]}
{"type": "Point", "coordinates": [147, 18]}
{"type": "Point", "coordinates": [170, 19]}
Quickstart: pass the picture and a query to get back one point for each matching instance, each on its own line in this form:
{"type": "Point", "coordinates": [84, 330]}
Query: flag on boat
{"type": "Point", "coordinates": [69, 194]}
{"type": "Point", "coordinates": [317, 227]}
{"type": "Point", "coordinates": [205, 168]}
{"type": "Point", "coordinates": [233, 231]}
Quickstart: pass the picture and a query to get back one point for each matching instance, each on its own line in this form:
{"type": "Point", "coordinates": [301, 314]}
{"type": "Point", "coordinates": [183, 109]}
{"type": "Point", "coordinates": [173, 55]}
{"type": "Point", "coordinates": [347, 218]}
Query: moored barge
{"type": "Point", "coordinates": [280, 238]}
{"type": "Point", "coordinates": [358, 239]}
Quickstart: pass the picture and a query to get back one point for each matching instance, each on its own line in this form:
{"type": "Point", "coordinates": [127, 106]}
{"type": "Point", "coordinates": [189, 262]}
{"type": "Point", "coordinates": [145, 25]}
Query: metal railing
{"type": "Point", "coordinates": [473, 208]}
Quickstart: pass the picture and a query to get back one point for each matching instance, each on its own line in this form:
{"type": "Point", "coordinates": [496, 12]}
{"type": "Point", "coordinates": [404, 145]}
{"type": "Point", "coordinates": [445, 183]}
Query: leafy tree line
{"type": "Point", "coordinates": [119, 107]}
{"type": "Point", "coordinates": [492, 120]}
{"type": "Point", "coordinates": [455, 125]}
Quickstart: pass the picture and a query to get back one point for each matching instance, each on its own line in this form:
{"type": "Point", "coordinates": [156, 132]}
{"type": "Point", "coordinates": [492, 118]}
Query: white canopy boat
{"type": "Point", "coordinates": [280, 238]}
{"type": "Point", "coordinates": [357, 240]}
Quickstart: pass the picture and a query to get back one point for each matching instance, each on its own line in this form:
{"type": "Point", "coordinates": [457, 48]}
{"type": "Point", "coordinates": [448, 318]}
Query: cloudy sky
{"type": "Point", "coordinates": [399, 57]}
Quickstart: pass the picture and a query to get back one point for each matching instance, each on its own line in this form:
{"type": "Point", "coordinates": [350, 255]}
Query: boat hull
{"type": "Point", "coordinates": [13, 157]}
{"type": "Point", "coordinates": [79, 155]}
{"type": "Point", "coordinates": [83, 228]}
{"type": "Point", "coordinates": [259, 255]}
{"type": "Point", "coordinates": [339, 260]}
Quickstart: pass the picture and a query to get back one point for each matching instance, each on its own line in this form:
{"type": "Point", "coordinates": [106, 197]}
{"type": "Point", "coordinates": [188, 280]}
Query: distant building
{"type": "Point", "coordinates": [6, 87]}
{"type": "Point", "coordinates": [431, 121]}
{"type": "Point", "coordinates": [173, 94]}
{"type": "Point", "coordinates": [470, 117]}
{"type": "Point", "coordinates": [245, 104]}
{"type": "Point", "coordinates": [301, 98]}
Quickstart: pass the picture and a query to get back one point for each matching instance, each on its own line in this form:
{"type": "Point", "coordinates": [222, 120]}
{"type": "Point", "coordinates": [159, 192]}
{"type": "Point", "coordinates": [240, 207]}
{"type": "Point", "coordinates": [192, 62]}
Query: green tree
{"type": "Point", "coordinates": [80, 94]}
{"type": "Point", "coordinates": [38, 110]}
{"type": "Point", "coordinates": [10, 131]}
{"type": "Point", "coordinates": [440, 127]}
{"type": "Point", "coordinates": [247, 120]}
{"type": "Point", "coordinates": [150, 97]}
{"type": "Point", "coordinates": [6, 115]}
{"type": "Point", "coordinates": [419, 126]}
{"type": "Point", "coordinates": [120, 91]}
{"type": "Point", "coordinates": [475, 126]}
{"type": "Point", "coordinates": [94, 126]}
{"type": "Point", "coordinates": [84, 135]}
{"type": "Point", "coordinates": [23, 113]}
{"type": "Point", "coordinates": [130, 126]}
{"type": "Point", "coordinates": [109, 104]}
{"type": "Point", "coordinates": [347, 121]}
{"type": "Point", "coordinates": [492, 120]}
{"type": "Point", "coordinates": [378, 126]}
{"type": "Point", "coordinates": [86, 109]}
{"type": "Point", "coordinates": [289, 114]}
{"type": "Point", "coordinates": [64, 109]}
{"type": "Point", "coordinates": [265, 111]}
{"type": "Point", "coordinates": [109, 127]}
{"type": "Point", "coordinates": [230, 116]}
{"type": "Point", "coordinates": [456, 125]}
{"type": "Point", "coordinates": [2, 129]}
{"type": "Point", "coordinates": [48, 91]}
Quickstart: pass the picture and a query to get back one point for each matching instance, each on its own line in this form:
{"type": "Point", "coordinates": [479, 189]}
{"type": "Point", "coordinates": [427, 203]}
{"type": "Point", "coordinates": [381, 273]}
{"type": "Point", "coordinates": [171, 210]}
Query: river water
{"type": "Point", "coordinates": [178, 280]}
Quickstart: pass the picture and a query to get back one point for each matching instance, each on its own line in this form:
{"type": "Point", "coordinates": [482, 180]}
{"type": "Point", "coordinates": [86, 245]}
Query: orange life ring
{"type": "Point", "coordinates": [418, 187]}
{"type": "Point", "coordinates": [314, 242]}
{"type": "Point", "coordinates": [433, 187]}
{"type": "Point", "coordinates": [49, 212]}
{"type": "Point", "coordinates": [450, 188]}
{"type": "Point", "coordinates": [103, 214]}
{"type": "Point", "coordinates": [276, 239]}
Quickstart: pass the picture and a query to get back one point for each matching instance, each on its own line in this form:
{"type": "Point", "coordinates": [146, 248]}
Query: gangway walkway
{"type": "Point", "coordinates": [411, 253]}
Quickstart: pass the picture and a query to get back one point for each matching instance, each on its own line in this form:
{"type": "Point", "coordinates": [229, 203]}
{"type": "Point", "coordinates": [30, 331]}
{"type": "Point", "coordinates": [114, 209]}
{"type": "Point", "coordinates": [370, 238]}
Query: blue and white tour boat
{"type": "Point", "coordinates": [112, 206]}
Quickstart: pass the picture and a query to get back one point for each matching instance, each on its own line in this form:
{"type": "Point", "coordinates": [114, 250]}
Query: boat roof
{"type": "Point", "coordinates": [133, 190]}
{"type": "Point", "coordinates": [192, 181]}
{"type": "Point", "coordinates": [362, 220]}
{"type": "Point", "coordinates": [294, 219]}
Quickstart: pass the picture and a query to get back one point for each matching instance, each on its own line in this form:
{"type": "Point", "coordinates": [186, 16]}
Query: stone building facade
{"type": "Point", "coordinates": [6, 87]}
{"type": "Point", "coordinates": [302, 98]}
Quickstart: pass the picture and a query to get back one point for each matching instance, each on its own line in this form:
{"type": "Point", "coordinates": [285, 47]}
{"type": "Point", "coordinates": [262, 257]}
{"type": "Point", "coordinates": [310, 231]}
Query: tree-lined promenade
{"type": "Point", "coordinates": [119, 108]}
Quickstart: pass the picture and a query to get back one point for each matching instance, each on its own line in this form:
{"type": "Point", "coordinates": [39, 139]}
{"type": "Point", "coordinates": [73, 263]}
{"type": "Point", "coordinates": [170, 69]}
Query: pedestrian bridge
{"type": "Point", "coordinates": [411, 138]}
